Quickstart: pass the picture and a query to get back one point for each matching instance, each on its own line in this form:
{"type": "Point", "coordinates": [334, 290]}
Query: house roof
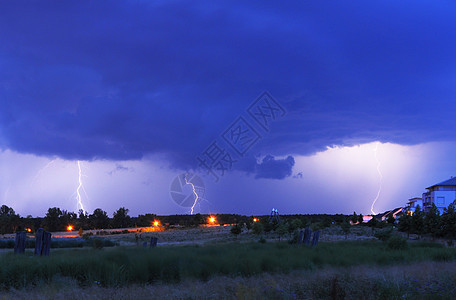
{"type": "Point", "coordinates": [449, 182]}
{"type": "Point", "coordinates": [381, 215]}
{"type": "Point", "coordinates": [392, 212]}
{"type": "Point", "coordinates": [415, 199]}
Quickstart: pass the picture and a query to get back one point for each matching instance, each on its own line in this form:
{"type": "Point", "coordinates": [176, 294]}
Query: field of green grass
{"type": "Point", "coordinates": [119, 267]}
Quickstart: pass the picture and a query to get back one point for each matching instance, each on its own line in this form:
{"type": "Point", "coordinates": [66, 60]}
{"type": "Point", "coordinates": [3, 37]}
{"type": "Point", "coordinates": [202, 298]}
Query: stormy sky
{"type": "Point", "coordinates": [360, 95]}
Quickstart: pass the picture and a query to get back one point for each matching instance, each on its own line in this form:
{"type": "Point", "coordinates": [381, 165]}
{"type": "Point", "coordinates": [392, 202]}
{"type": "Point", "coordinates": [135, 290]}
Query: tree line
{"type": "Point", "coordinates": [431, 223]}
{"type": "Point", "coordinates": [57, 219]}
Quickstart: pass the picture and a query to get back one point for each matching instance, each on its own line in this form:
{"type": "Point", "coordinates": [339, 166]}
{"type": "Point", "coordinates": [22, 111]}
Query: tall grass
{"type": "Point", "coordinates": [123, 266]}
{"type": "Point", "coordinates": [60, 243]}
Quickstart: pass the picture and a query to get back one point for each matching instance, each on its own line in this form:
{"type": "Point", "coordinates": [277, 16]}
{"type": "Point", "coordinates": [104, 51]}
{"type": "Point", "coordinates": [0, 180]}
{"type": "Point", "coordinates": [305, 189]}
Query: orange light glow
{"type": "Point", "coordinates": [156, 223]}
{"type": "Point", "coordinates": [211, 220]}
{"type": "Point", "coordinates": [28, 229]}
{"type": "Point", "coordinates": [70, 228]}
{"type": "Point", "coordinates": [255, 220]}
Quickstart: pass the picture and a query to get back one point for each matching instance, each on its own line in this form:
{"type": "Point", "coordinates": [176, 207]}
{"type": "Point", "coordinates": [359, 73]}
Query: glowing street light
{"type": "Point", "coordinates": [70, 228]}
{"type": "Point", "coordinates": [255, 220]}
{"type": "Point", "coordinates": [156, 223]}
{"type": "Point", "coordinates": [212, 220]}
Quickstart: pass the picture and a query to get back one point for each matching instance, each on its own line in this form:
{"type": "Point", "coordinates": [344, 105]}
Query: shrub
{"type": "Point", "coordinates": [396, 242]}
{"type": "Point", "coordinates": [97, 243]}
{"type": "Point", "coordinates": [236, 229]}
{"type": "Point", "coordinates": [294, 237]}
{"type": "Point", "coordinates": [257, 228]}
{"type": "Point", "coordinates": [87, 235]}
{"type": "Point", "coordinates": [383, 235]}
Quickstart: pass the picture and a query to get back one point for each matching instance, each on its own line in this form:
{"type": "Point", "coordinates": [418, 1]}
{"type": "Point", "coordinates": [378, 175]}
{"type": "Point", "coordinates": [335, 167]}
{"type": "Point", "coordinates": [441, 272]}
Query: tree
{"type": "Point", "coordinates": [52, 221]}
{"type": "Point", "coordinates": [67, 218]}
{"type": "Point", "coordinates": [354, 218]}
{"type": "Point", "coordinates": [267, 226]}
{"type": "Point", "coordinates": [249, 224]}
{"type": "Point", "coordinates": [148, 219]}
{"type": "Point", "coordinates": [293, 225]}
{"type": "Point", "coordinates": [372, 223]}
{"type": "Point", "coordinates": [83, 219]}
{"type": "Point", "coordinates": [99, 219]}
{"type": "Point", "coordinates": [236, 229]}
{"type": "Point", "coordinates": [417, 222]}
{"type": "Point", "coordinates": [360, 218]}
{"type": "Point", "coordinates": [257, 228]}
{"type": "Point", "coordinates": [9, 220]}
{"type": "Point", "coordinates": [345, 228]}
{"type": "Point", "coordinates": [197, 220]}
{"type": "Point", "coordinates": [6, 211]}
{"type": "Point", "coordinates": [121, 219]}
{"type": "Point", "coordinates": [405, 223]}
{"type": "Point", "coordinates": [432, 221]}
{"type": "Point", "coordinates": [282, 229]}
{"type": "Point", "coordinates": [449, 222]}
{"type": "Point", "coordinates": [391, 220]}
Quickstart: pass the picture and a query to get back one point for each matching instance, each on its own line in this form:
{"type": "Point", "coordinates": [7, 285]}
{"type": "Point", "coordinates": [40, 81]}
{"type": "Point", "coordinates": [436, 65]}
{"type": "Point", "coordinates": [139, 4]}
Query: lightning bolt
{"type": "Point", "coordinates": [381, 177]}
{"type": "Point", "coordinates": [194, 192]}
{"type": "Point", "coordinates": [42, 170]}
{"type": "Point", "coordinates": [80, 187]}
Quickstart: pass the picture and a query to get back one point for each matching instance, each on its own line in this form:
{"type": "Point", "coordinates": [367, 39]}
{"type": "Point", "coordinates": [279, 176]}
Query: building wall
{"type": "Point", "coordinates": [413, 204]}
{"type": "Point", "coordinates": [442, 199]}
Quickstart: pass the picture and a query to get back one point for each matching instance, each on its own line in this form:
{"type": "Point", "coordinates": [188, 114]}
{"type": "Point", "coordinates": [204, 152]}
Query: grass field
{"type": "Point", "coordinates": [210, 262]}
{"type": "Point", "coordinates": [131, 265]}
{"type": "Point", "coordinates": [424, 280]}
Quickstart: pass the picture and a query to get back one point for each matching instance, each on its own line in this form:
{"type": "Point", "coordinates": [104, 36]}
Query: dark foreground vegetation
{"type": "Point", "coordinates": [62, 243]}
{"type": "Point", "coordinates": [125, 266]}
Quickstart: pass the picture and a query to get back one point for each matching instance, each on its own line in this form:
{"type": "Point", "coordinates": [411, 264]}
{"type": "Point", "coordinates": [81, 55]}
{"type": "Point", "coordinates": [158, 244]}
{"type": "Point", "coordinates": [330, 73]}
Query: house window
{"type": "Point", "coordinates": [440, 201]}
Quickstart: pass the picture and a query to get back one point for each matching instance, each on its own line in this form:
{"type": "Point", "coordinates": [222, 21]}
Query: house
{"type": "Point", "coordinates": [366, 218]}
{"type": "Point", "coordinates": [412, 204]}
{"type": "Point", "coordinates": [380, 217]}
{"type": "Point", "coordinates": [441, 194]}
{"type": "Point", "coordinates": [393, 213]}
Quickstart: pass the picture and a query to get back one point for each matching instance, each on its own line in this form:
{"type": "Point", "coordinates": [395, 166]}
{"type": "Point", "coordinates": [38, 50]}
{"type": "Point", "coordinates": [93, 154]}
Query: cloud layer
{"type": "Point", "coordinates": [123, 80]}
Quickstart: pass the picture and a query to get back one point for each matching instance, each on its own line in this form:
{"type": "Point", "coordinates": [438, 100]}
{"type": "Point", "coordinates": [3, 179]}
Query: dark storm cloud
{"type": "Point", "coordinates": [120, 80]}
{"type": "Point", "coordinates": [120, 168]}
{"type": "Point", "coordinates": [273, 168]}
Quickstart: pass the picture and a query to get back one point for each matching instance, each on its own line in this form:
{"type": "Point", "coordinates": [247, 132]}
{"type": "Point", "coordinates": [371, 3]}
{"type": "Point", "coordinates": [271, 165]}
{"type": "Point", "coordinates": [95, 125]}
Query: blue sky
{"type": "Point", "coordinates": [136, 90]}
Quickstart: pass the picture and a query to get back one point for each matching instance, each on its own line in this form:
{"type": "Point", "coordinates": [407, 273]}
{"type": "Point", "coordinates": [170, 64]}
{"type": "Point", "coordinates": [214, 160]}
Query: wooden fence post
{"type": "Point", "coordinates": [19, 242]}
{"type": "Point", "coordinates": [307, 235]}
{"type": "Point", "coordinates": [42, 242]}
{"type": "Point", "coordinates": [46, 243]}
{"type": "Point", "coordinates": [38, 241]}
{"type": "Point", "coordinates": [316, 236]}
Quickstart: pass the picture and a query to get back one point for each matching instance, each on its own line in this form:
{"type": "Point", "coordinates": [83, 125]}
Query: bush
{"type": "Point", "coordinates": [257, 228]}
{"type": "Point", "coordinates": [396, 242]}
{"type": "Point", "coordinates": [294, 237]}
{"type": "Point", "coordinates": [87, 235]}
{"type": "Point", "coordinates": [383, 235]}
{"type": "Point", "coordinates": [97, 243]}
{"type": "Point", "coordinates": [236, 229]}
